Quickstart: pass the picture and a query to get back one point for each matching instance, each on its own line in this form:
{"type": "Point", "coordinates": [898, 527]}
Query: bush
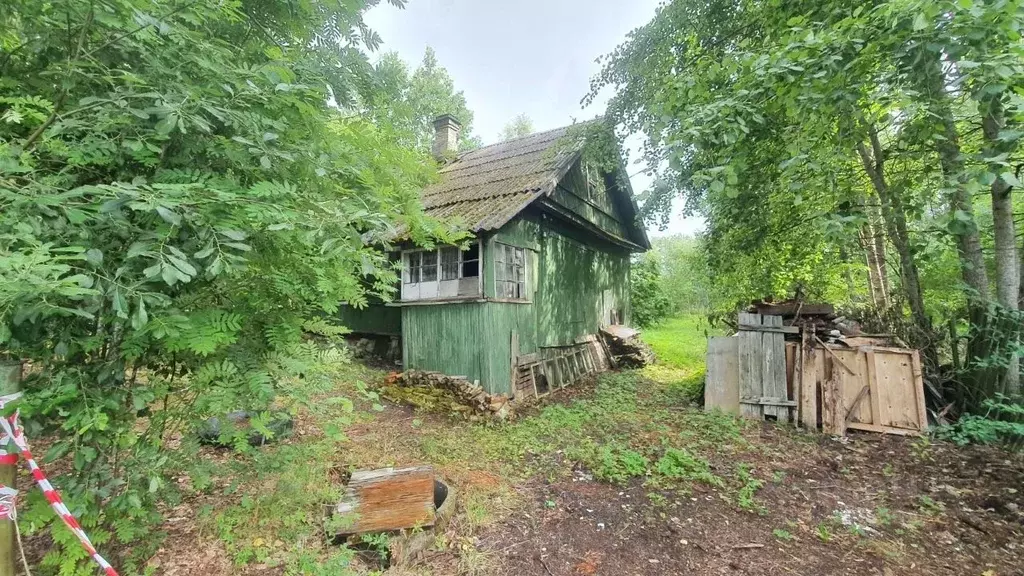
{"type": "Point", "coordinates": [1003, 423]}
{"type": "Point", "coordinates": [648, 300]}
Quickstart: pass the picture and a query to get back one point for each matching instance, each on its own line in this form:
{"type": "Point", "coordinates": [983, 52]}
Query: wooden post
{"type": "Point", "coordinates": [10, 383]}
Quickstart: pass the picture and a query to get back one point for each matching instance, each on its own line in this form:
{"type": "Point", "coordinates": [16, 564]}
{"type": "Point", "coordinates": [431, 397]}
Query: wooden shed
{"type": "Point", "coordinates": [519, 310]}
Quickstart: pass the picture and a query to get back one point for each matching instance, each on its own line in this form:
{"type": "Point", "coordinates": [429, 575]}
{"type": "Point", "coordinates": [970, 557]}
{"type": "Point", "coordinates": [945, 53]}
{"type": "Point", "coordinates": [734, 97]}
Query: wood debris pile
{"type": "Point", "coordinates": [815, 370]}
{"type": "Point", "coordinates": [439, 392]}
{"type": "Point", "coordinates": [625, 347]}
{"type": "Point", "coordinates": [823, 320]}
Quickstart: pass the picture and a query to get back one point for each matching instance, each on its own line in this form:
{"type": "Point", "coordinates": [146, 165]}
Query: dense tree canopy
{"type": "Point", "coordinates": [408, 103]}
{"type": "Point", "coordinates": [180, 208]}
{"type": "Point", "coordinates": [854, 152]}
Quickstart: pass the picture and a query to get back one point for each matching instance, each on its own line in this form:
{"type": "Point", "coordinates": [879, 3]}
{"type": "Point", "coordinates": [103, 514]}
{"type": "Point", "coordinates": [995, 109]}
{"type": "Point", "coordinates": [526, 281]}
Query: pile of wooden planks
{"type": "Point", "coordinates": [832, 386]}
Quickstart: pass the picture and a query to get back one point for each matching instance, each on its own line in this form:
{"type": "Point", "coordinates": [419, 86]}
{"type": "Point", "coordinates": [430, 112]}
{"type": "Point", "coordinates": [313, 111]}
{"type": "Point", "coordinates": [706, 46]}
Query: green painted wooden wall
{"type": "Point", "coordinates": [374, 319]}
{"type": "Point", "coordinates": [470, 339]}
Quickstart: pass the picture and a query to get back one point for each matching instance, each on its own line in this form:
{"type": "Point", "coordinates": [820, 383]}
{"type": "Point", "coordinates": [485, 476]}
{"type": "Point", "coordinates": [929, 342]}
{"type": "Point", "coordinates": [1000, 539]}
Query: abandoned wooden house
{"type": "Point", "coordinates": [520, 310]}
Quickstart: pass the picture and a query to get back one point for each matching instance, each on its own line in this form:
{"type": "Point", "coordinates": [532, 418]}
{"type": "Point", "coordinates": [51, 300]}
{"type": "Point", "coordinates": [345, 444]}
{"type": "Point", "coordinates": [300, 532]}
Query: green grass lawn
{"type": "Point", "coordinates": [680, 342]}
{"type": "Point", "coordinates": [680, 345]}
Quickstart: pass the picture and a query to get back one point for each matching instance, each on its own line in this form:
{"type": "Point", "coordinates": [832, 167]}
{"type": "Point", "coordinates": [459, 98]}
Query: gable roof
{"type": "Point", "coordinates": [487, 187]}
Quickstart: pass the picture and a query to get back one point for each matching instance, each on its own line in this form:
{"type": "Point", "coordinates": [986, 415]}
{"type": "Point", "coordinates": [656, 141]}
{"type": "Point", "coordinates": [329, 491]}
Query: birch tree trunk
{"type": "Point", "coordinates": [896, 225]}
{"type": "Point", "coordinates": [1007, 275]}
{"type": "Point", "coordinates": [872, 242]}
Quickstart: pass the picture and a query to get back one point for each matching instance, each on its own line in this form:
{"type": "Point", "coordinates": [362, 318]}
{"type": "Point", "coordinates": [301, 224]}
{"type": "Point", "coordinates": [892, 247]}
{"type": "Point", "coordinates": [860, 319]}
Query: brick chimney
{"type": "Point", "coordinates": [446, 136]}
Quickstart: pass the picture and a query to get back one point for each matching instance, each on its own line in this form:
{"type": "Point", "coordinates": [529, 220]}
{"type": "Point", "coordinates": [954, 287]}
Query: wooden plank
{"type": "Point", "coordinates": [918, 375]}
{"type": "Point", "coordinates": [750, 366]}
{"type": "Point", "coordinates": [388, 499]}
{"type": "Point", "coordinates": [876, 406]}
{"type": "Point", "coordinates": [774, 375]}
{"type": "Point", "coordinates": [514, 355]}
{"type": "Point", "coordinates": [897, 395]}
{"type": "Point", "coordinates": [831, 392]}
{"type": "Point", "coordinates": [834, 355]}
{"type": "Point", "coordinates": [882, 429]}
{"type": "Point", "coordinates": [791, 308]}
{"type": "Point", "coordinates": [856, 403]}
{"type": "Point", "coordinates": [780, 329]}
{"type": "Point", "coordinates": [721, 387]}
{"type": "Point", "coordinates": [808, 381]}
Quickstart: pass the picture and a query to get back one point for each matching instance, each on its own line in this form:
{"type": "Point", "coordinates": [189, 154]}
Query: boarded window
{"type": "Point", "coordinates": [510, 271]}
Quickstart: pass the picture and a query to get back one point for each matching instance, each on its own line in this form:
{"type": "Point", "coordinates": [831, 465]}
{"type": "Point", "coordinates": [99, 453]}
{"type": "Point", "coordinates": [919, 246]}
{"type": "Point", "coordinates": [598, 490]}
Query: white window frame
{"type": "Point", "coordinates": [415, 288]}
{"type": "Point", "coordinates": [518, 287]}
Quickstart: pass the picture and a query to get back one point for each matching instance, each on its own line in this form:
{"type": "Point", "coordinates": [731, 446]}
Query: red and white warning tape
{"type": "Point", "coordinates": [11, 432]}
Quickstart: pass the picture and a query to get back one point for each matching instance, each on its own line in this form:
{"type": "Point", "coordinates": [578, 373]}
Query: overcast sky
{"type": "Point", "coordinates": [533, 57]}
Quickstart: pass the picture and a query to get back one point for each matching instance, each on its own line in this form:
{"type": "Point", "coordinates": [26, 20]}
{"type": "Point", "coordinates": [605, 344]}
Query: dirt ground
{"type": "Point", "coordinates": [973, 527]}
{"type": "Point", "coordinates": [864, 505]}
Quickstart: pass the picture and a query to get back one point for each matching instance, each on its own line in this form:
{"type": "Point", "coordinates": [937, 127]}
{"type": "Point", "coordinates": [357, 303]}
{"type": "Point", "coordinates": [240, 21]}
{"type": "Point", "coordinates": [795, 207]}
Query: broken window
{"type": "Point", "coordinates": [471, 261]}
{"type": "Point", "coordinates": [445, 272]}
{"type": "Point", "coordinates": [509, 271]}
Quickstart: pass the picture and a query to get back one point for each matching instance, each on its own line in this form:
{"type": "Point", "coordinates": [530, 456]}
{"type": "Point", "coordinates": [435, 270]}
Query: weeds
{"type": "Point", "coordinates": [749, 485]}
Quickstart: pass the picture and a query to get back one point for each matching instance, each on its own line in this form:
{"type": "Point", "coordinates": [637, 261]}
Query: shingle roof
{"type": "Point", "coordinates": [487, 187]}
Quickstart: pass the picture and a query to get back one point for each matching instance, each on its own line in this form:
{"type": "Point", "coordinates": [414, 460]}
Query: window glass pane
{"type": "Point", "coordinates": [429, 273]}
{"type": "Point", "coordinates": [412, 267]}
{"type": "Point", "coordinates": [471, 261]}
{"type": "Point", "coordinates": [449, 263]}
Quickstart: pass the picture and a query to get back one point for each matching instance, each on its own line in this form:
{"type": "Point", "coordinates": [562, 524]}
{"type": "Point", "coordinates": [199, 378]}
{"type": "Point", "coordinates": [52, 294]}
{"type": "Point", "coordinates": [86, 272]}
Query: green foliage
{"type": "Point", "coordinates": [617, 464]}
{"type": "Point", "coordinates": [178, 205]}
{"type": "Point", "coordinates": [1002, 423]}
{"type": "Point", "coordinates": [781, 534]}
{"type": "Point", "coordinates": [648, 301]}
{"type": "Point", "coordinates": [680, 464]}
{"type": "Point", "coordinates": [407, 104]}
{"type": "Point", "coordinates": [519, 126]}
{"type": "Point", "coordinates": [685, 278]}
{"type": "Point", "coordinates": [803, 131]}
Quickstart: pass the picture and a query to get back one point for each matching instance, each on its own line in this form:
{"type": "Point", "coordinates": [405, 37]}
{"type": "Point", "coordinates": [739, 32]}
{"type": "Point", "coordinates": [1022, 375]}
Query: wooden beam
{"type": "Point", "coordinates": [856, 402]}
{"type": "Point", "coordinates": [782, 329]}
{"type": "Point", "coordinates": [835, 356]}
{"type": "Point", "coordinates": [882, 429]}
{"type": "Point", "coordinates": [876, 395]}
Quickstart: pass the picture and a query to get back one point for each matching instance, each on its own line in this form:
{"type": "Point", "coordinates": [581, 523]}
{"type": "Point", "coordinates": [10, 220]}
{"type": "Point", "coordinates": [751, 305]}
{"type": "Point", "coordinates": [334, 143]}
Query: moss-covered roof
{"type": "Point", "coordinates": [487, 187]}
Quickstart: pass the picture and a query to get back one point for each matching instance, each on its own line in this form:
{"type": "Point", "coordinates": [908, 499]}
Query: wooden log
{"type": "Point", "coordinates": [388, 499]}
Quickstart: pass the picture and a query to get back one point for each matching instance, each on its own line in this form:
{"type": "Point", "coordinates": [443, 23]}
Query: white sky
{"type": "Point", "coordinates": [533, 57]}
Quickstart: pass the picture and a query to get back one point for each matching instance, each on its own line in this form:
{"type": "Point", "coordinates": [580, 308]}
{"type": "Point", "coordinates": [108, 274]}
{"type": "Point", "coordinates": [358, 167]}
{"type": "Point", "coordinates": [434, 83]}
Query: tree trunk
{"type": "Point", "coordinates": [1007, 276]}
{"type": "Point", "coordinates": [872, 241]}
{"type": "Point", "coordinates": [896, 226]}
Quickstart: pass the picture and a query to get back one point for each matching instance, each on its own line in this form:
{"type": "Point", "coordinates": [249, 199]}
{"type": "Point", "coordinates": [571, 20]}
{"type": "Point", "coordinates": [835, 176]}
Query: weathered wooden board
{"type": "Point", "coordinates": [750, 366]}
{"type": "Point", "coordinates": [808, 380]}
{"type": "Point", "coordinates": [897, 396]}
{"type": "Point", "coordinates": [774, 377]}
{"type": "Point", "coordinates": [388, 499]}
{"type": "Point", "coordinates": [721, 388]}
